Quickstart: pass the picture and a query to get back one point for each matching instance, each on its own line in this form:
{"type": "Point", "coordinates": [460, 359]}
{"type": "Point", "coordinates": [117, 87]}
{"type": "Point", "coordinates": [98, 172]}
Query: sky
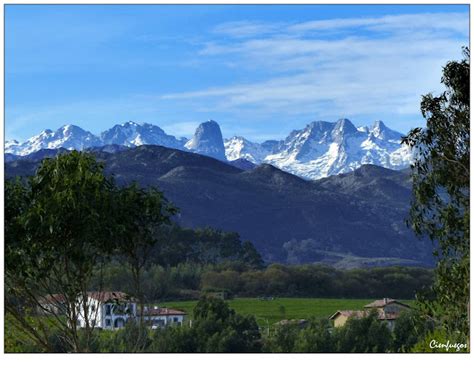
{"type": "Point", "coordinates": [260, 71]}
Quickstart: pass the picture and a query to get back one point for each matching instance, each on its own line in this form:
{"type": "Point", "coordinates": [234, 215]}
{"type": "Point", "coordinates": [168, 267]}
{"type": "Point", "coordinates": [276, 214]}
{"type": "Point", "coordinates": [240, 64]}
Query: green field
{"type": "Point", "coordinates": [294, 308]}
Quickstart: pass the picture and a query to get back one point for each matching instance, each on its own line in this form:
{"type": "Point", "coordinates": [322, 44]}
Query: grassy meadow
{"type": "Point", "coordinates": [280, 308]}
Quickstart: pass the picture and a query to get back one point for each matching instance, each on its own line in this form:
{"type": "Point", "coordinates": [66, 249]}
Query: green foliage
{"type": "Point", "coordinates": [220, 329]}
{"type": "Point", "coordinates": [215, 328]}
{"type": "Point", "coordinates": [204, 246]}
{"type": "Point", "coordinates": [316, 337]}
{"type": "Point", "coordinates": [141, 213]}
{"type": "Point", "coordinates": [366, 334]}
{"type": "Point", "coordinates": [440, 208]}
{"type": "Point", "coordinates": [410, 328]}
{"type": "Point", "coordinates": [16, 340]}
{"type": "Point", "coordinates": [61, 225]}
{"type": "Point", "coordinates": [178, 339]}
{"type": "Point", "coordinates": [132, 338]}
{"type": "Point", "coordinates": [282, 338]}
{"type": "Point", "coordinates": [321, 281]}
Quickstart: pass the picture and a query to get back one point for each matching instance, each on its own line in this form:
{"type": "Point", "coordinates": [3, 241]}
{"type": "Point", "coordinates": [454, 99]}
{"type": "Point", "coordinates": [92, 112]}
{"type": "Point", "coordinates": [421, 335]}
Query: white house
{"type": "Point", "coordinates": [107, 310]}
{"type": "Point", "coordinates": [157, 317]}
{"type": "Point", "coordinates": [112, 310]}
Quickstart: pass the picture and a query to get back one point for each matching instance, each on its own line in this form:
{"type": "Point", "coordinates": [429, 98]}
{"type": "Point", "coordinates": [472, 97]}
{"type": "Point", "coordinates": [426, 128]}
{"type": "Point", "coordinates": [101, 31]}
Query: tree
{"type": "Point", "coordinates": [283, 338]}
{"type": "Point", "coordinates": [62, 225]}
{"type": "Point", "coordinates": [141, 214]}
{"type": "Point", "coordinates": [440, 207]}
{"type": "Point", "coordinates": [315, 338]}
{"type": "Point", "coordinates": [176, 339]}
{"type": "Point", "coordinates": [367, 334]}
{"type": "Point", "coordinates": [124, 340]}
{"type": "Point", "coordinates": [219, 329]}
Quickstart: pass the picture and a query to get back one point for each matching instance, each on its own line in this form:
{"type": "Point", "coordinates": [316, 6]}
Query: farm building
{"type": "Point", "coordinates": [157, 317]}
{"type": "Point", "coordinates": [388, 310]}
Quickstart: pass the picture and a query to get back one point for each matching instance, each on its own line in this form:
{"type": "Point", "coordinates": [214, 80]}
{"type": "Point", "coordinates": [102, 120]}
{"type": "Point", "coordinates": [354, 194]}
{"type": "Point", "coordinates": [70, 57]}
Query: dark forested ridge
{"type": "Point", "coordinates": [340, 219]}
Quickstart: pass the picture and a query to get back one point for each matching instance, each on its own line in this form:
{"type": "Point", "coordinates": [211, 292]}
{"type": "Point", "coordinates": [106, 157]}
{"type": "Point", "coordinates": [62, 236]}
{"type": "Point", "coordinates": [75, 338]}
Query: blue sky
{"type": "Point", "coordinates": [260, 71]}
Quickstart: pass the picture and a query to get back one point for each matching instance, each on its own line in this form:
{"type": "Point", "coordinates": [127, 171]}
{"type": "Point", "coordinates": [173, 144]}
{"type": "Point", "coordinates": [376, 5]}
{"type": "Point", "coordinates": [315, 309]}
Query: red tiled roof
{"type": "Point", "coordinates": [55, 298]}
{"type": "Point", "coordinates": [162, 311]}
{"type": "Point", "coordinates": [384, 302]}
{"type": "Point", "coordinates": [348, 313]}
{"type": "Point", "coordinates": [106, 296]}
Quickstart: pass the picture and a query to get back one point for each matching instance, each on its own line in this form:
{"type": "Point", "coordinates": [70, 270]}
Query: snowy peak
{"type": "Point", "coordinates": [344, 127]}
{"type": "Point", "coordinates": [72, 137]}
{"type": "Point", "coordinates": [133, 134]}
{"type": "Point", "coordinates": [240, 148]}
{"type": "Point", "coordinates": [323, 148]}
{"type": "Point", "coordinates": [69, 136]}
{"type": "Point", "coordinates": [318, 150]}
{"type": "Point", "coordinates": [381, 131]}
{"type": "Point", "coordinates": [207, 140]}
{"type": "Point", "coordinates": [11, 145]}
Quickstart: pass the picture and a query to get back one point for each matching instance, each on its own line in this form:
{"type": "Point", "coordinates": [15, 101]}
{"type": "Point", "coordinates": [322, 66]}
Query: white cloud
{"type": "Point", "coordinates": [180, 129]}
{"type": "Point", "coordinates": [384, 69]}
{"type": "Point", "coordinates": [456, 22]}
{"type": "Point", "coordinates": [242, 29]}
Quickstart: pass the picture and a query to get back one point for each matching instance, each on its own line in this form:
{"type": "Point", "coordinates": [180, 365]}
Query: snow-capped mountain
{"type": "Point", "coordinates": [240, 148]}
{"type": "Point", "coordinates": [319, 150]}
{"type": "Point", "coordinates": [323, 148]}
{"type": "Point", "coordinates": [70, 137]}
{"type": "Point", "coordinates": [132, 134]}
{"type": "Point", "coordinates": [207, 140]}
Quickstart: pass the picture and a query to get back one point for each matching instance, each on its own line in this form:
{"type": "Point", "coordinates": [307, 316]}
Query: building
{"type": "Point", "coordinates": [107, 310]}
{"type": "Point", "coordinates": [157, 317]}
{"type": "Point", "coordinates": [54, 304]}
{"type": "Point", "coordinates": [388, 311]}
{"type": "Point", "coordinates": [111, 310]}
{"type": "Point", "coordinates": [340, 317]}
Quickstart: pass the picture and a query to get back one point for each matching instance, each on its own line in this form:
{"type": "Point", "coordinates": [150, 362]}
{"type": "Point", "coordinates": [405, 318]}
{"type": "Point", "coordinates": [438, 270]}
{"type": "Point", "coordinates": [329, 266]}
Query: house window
{"type": "Point", "coordinates": [108, 322]}
{"type": "Point", "coordinates": [108, 309]}
{"type": "Point", "coordinates": [158, 322]}
{"type": "Point", "coordinates": [175, 319]}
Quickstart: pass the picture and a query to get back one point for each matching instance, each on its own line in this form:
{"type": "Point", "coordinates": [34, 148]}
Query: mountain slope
{"type": "Point", "coordinates": [358, 213]}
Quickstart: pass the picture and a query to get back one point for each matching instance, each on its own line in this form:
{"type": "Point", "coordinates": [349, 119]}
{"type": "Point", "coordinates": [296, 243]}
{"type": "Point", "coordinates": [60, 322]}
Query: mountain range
{"type": "Point", "coordinates": [319, 150]}
{"type": "Point", "coordinates": [348, 218]}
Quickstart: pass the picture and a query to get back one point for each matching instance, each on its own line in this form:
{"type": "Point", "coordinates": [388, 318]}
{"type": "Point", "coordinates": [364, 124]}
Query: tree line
{"type": "Point", "coordinates": [189, 281]}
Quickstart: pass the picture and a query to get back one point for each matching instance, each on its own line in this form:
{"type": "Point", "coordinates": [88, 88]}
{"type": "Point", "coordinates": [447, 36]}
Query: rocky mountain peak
{"type": "Point", "coordinates": [381, 131]}
{"type": "Point", "coordinates": [207, 140]}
